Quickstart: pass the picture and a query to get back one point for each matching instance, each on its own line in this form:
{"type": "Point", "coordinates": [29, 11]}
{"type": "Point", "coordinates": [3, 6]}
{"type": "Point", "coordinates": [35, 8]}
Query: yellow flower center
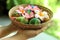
{"type": "Point", "coordinates": [41, 14]}
{"type": "Point", "coordinates": [22, 11]}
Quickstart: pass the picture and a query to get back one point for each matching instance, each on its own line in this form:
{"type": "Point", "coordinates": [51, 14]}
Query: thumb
{"type": "Point", "coordinates": [18, 36]}
{"type": "Point", "coordinates": [5, 30]}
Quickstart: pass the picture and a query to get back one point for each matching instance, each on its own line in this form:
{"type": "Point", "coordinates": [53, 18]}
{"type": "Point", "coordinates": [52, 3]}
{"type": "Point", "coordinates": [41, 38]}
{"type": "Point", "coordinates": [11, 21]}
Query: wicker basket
{"type": "Point", "coordinates": [31, 26]}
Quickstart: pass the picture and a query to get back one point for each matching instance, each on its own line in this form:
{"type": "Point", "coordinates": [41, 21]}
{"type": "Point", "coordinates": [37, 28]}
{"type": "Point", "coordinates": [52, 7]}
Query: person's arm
{"type": "Point", "coordinates": [7, 30]}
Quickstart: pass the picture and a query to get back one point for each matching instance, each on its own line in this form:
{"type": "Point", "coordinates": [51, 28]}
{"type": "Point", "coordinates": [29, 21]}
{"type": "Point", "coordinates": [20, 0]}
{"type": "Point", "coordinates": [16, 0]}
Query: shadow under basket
{"type": "Point", "coordinates": [31, 26]}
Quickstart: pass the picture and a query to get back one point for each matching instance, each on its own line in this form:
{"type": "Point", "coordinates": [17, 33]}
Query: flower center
{"type": "Point", "coordinates": [41, 14]}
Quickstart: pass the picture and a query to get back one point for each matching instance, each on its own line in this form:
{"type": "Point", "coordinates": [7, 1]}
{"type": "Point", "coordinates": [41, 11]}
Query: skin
{"type": "Point", "coordinates": [5, 30]}
{"type": "Point", "coordinates": [21, 35]}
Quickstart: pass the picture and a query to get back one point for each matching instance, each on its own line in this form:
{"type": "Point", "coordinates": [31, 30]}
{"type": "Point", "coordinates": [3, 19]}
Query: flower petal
{"type": "Point", "coordinates": [21, 8]}
{"type": "Point", "coordinates": [31, 14]}
{"type": "Point", "coordinates": [27, 15]}
{"type": "Point", "coordinates": [18, 11]}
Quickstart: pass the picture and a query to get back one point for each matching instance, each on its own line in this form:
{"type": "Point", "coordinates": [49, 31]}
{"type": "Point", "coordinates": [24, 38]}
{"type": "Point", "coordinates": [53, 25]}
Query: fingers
{"type": "Point", "coordinates": [3, 31]}
{"type": "Point", "coordinates": [18, 36]}
{"type": "Point", "coordinates": [7, 30]}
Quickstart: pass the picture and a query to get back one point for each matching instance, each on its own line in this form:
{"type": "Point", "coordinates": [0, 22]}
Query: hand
{"type": "Point", "coordinates": [21, 35]}
{"type": "Point", "coordinates": [5, 30]}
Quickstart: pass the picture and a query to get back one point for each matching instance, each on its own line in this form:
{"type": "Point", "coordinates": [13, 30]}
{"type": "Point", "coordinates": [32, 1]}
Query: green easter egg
{"type": "Point", "coordinates": [22, 20]}
{"type": "Point", "coordinates": [35, 21]}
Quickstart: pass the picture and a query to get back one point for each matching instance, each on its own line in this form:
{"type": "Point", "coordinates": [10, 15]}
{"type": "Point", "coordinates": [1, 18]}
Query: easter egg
{"type": "Point", "coordinates": [22, 20]}
{"type": "Point", "coordinates": [34, 21]}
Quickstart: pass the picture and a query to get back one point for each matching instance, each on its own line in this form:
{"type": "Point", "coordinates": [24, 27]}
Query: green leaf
{"type": "Point", "coordinates": [28, 11]}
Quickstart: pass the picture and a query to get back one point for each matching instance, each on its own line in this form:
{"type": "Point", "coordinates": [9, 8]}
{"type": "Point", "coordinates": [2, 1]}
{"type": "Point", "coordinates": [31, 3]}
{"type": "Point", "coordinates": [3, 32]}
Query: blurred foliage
{"type": "Point", "coordinates": [54, 29]}
{"type": "Point", "coordinates": [11, 3]}
{"type": "Point", "coordinates": [52, 4]}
